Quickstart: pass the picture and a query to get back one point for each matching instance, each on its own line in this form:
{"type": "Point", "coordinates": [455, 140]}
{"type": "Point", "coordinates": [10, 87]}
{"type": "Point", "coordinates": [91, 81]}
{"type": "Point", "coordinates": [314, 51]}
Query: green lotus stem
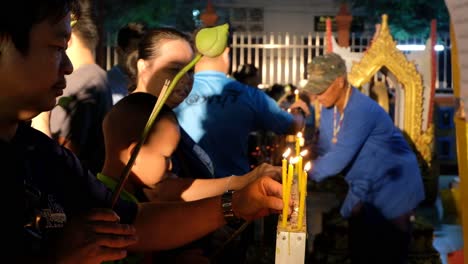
{"type": "Point", "coordinates": [148, 126]}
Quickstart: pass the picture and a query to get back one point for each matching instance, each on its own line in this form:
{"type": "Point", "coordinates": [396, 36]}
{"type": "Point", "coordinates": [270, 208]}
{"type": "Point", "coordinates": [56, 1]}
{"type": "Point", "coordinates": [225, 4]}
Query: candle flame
{"type": "Point", "coordinates": [287, 153]}
{"type": "Point", "coordinates": [307, 166]}
{"type": "Point", "coordinates": [299, 134]}
{"type": "Point", "coordinates": [296, 91]}
{"type": "Point", "coordinates": [289, 110]}
{"type": "Point", "coordinates": [304, 152]}
{"type": "Point", "coordinates": [293, 160]}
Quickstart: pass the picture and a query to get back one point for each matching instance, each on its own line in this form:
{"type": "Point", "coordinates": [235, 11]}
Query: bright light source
{"type": "Point", "coordinates": [303, 83]}
{"type": "Point", "coordinates": [439, 47]}
{"type": "Point", "coordinates": [415, 47]}
{"type": "Point", "coordinates": [195, 12]}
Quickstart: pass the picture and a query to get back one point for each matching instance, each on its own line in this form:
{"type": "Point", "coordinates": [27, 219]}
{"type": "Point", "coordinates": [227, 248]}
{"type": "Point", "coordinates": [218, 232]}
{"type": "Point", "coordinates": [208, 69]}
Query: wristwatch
{"type": "Point", "coordinates": [226, 206]}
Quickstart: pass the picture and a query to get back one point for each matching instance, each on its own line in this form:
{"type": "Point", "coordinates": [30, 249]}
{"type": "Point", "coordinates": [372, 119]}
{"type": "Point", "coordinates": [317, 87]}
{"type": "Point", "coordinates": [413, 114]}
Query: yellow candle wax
{"type": "Point", "coordinates": [283, 167]}
{"type": "Point", "coordinates": [284, 184]}
{"type": "Point", "coordinates": [287, 195]}
{"type": "Point", "coordinates": [303, 194]}
{"type": "Point", "coordinates": [290, 178]}
{"type": "Point", "coordinates": [301, 209]}
{"type": "Point", "coordinates": [284, 179]}
{"type": "Point", "coordinates": [305, 176]}
{"type": "Point", "coordinates": [283, 172]}
{"type": "Point", "coordinates": [299, 172]}
{"type": "Point", "coordinates": [296, 95]}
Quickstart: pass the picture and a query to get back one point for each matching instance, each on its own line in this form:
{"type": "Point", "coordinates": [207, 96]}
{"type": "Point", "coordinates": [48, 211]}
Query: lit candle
{"type": "Point", "coordinates": [284, 164]}
{"type": "Point", "coordinates": [284, 182]}
{"type": "Point", "coordinates": [296, 95]}
{"type": "Point", "coordinates": [287, 195]}
{"type": "Point", "coordinates": [302, 196]}
{"type": "Point", "coordinates": [307, 167]}
{"type": "Point", "coordinates": [299, 173]}
{"type": "Point", "coordinates": [301, 141]}
{"type": "Point", "coordinates": [299, 169]}
{"type": "Point", "coordinates": [298, 143]}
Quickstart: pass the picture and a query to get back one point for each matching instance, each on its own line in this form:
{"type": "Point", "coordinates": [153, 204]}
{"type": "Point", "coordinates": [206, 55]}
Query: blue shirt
{"type": "Point", "coordinates": [219, 114]}
{"type": "Point", "coordinates": [378, 163]}
{"type": "Point", "coordinates": [189, 160]}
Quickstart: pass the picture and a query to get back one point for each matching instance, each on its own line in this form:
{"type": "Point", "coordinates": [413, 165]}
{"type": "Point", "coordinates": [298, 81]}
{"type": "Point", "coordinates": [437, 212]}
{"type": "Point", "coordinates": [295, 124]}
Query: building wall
{"type": "Point", "coordinates": [445, 139]}
{"type": "Point", "coordinates": [285, 16]}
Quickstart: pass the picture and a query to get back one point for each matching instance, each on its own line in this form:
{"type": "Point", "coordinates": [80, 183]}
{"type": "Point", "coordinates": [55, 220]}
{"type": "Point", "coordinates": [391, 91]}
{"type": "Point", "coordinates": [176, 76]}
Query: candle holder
{"type": "Point", "coordinates": [291, 238]}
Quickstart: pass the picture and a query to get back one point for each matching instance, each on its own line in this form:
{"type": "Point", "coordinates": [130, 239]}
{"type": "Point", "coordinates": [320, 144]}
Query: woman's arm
{"type": "Point", "coordinates": [184, 189]}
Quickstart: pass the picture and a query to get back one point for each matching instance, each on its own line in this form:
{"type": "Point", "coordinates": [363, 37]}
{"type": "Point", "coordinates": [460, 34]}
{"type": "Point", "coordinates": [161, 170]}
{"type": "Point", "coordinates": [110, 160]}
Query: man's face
{"type": "Point", "coordinates": [331, 95]}
{"type": "Point", "coordinates": [30, 83]}
{"type": "Point", "coordinates": [175, 54]}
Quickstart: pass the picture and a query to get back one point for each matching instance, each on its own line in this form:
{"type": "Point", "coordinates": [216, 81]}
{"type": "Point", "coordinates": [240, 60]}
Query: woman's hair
{"type": "Point", "coordinates": [149, 46]}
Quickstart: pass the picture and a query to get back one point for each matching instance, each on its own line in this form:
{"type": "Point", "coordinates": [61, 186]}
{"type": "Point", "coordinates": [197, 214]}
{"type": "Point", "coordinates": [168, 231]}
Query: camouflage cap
{"type": "Point", "coordinates": [323, 71]}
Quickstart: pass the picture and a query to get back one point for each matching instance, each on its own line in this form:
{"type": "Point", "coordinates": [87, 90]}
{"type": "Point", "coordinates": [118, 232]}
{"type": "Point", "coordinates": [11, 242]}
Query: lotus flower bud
{"type": "Point", "coordinates": [212, 42]}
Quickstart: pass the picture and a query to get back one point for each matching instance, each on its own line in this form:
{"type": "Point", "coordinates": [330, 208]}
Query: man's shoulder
{"type": "Point", "coordinates": [31, 138]}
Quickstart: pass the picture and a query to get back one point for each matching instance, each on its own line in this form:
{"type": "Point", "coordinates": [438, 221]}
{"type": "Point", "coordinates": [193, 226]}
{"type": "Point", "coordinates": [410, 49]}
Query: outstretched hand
{"type": "Point", "coordinates": [302, 105]}
{"type": "Point", "coordinates": [258, 199]}
{"type": "Point", "coordinates": [269, 170]}
{"type": "Point", "coordinates": [95, 238]}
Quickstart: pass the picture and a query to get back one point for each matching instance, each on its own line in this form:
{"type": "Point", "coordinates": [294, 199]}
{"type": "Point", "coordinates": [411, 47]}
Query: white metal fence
{"type": "Point", "coordinates": [282, 57]}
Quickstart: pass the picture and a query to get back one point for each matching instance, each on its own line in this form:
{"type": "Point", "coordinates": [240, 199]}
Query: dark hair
{"type": "Point", "coordinates": [85, 27]}
{"type": "Point", "coordinates": [245, 71]}
{"type": "Point", "coordinates": [133, 30]}
{"type": "Point", "coordinates": [150, 44]}
{"type": "Point", "coordinates": [276, 91]}
{"type": "Point", "coordinates": [17, 19]}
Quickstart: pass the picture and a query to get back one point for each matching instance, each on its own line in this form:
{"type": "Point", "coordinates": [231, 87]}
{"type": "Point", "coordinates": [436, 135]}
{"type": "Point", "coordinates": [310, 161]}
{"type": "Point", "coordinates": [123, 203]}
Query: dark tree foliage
{"type": "Point", "coordinates": [175, 13]}
{"type": "Point", "coordinates": [406, 18]}
{"type": "Point", "coordinates": [117, 13]}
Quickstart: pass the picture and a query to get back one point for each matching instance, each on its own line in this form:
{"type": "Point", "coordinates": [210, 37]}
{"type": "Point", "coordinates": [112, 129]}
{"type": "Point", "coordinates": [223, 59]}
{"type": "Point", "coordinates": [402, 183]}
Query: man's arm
{"type": "Point", "coordinates": [162, 226]}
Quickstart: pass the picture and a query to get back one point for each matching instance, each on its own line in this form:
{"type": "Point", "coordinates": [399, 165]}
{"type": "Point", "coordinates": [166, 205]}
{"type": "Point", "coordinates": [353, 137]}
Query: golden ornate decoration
{"type": "Point", "coordinates": [379, 91]}
{"type": "Point", "coordinates": [384, 53]}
